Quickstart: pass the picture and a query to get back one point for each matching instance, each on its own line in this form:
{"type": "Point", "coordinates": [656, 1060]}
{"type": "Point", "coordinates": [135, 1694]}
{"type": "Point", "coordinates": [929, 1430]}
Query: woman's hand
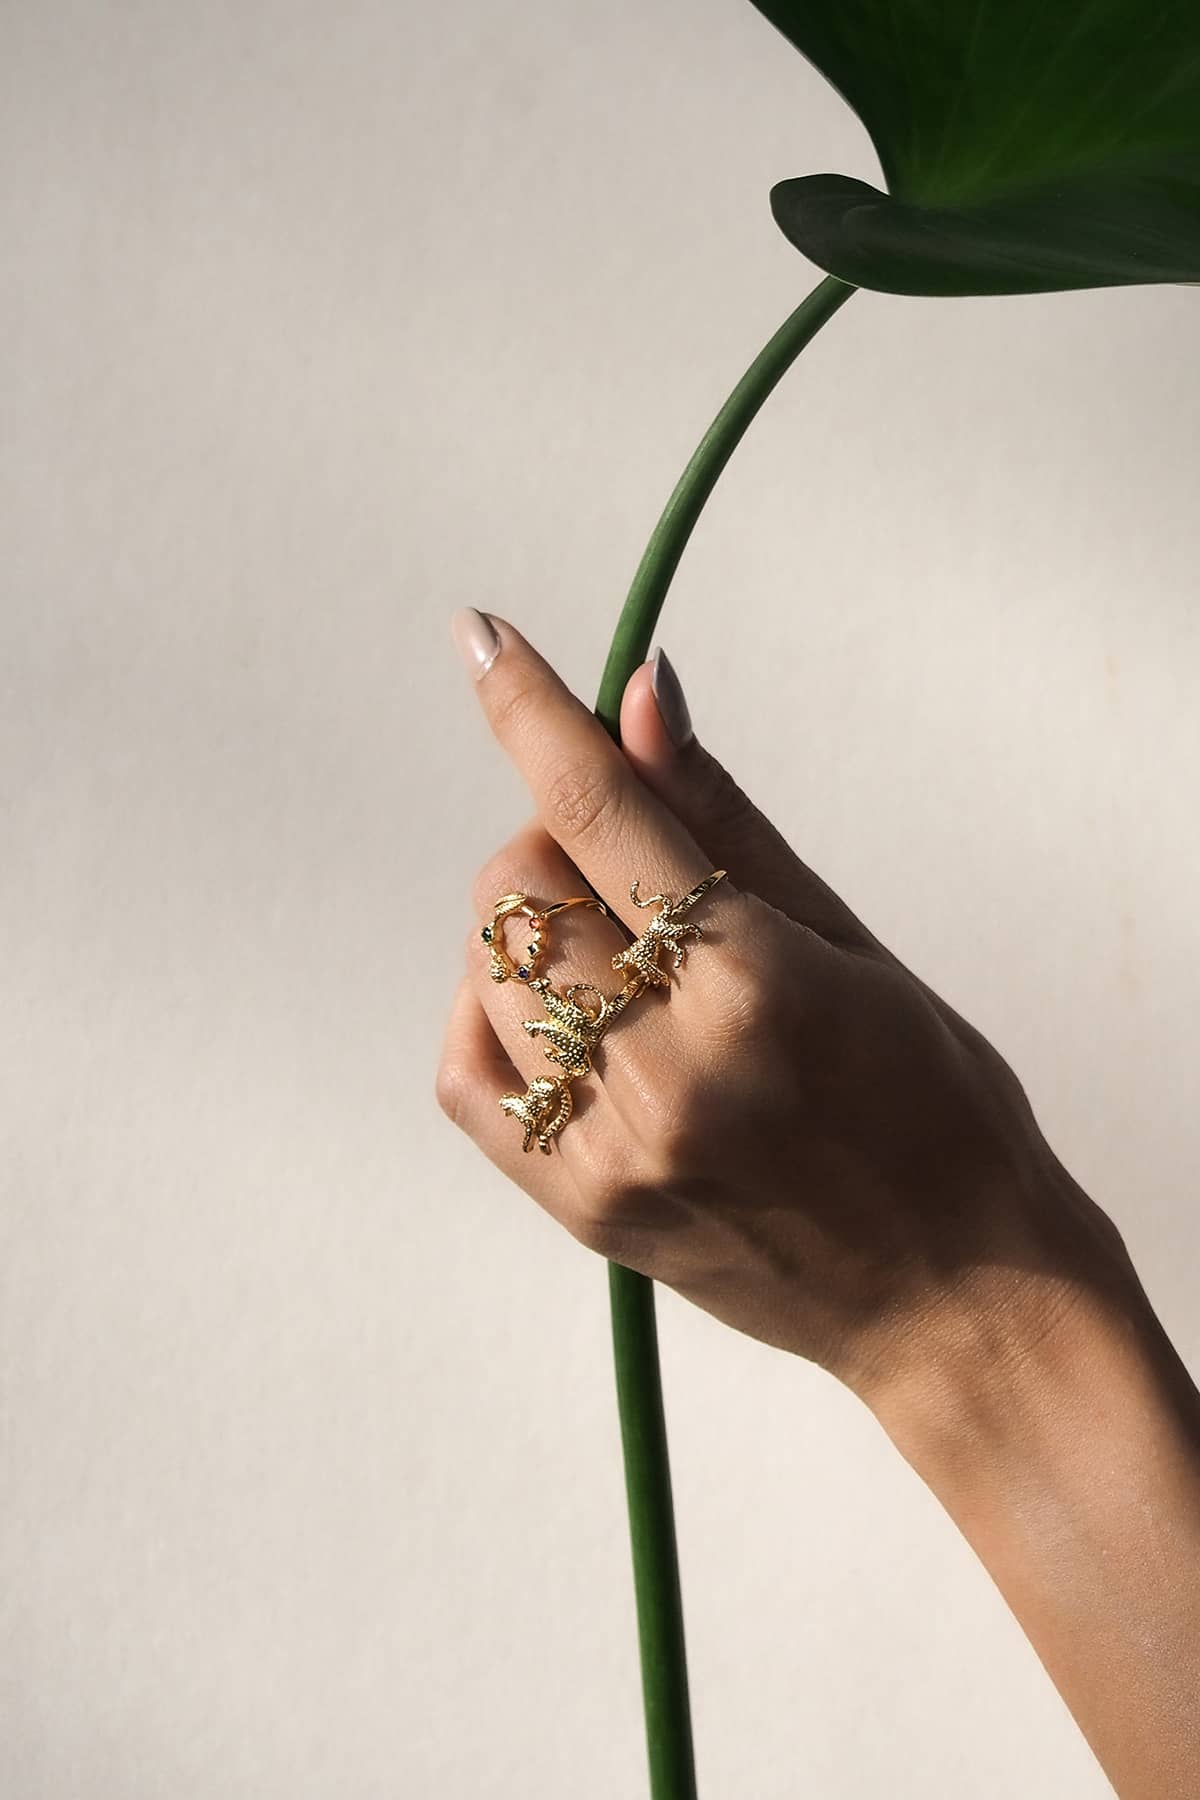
{"type": "Point", "coordinates": [799, 1136]}
{"type": "Point", "coordinates": [803, 1139]}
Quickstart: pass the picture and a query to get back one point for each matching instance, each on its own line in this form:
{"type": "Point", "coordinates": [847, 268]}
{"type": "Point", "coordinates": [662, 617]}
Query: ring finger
{"type": "Point", "coordinates": [473, 1071]}
{"type": "Point", "coordinates": [580, 951]}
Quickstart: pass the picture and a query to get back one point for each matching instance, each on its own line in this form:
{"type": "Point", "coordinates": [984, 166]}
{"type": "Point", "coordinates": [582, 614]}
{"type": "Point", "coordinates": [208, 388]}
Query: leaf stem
{"type": "Point", "coordinates": [635, 1335]}
{"type": "Point", "coordinates": [639, 615]}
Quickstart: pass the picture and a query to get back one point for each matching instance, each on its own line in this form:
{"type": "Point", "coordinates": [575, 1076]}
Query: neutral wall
{"type": "Point", "coordinates": [319, 321]}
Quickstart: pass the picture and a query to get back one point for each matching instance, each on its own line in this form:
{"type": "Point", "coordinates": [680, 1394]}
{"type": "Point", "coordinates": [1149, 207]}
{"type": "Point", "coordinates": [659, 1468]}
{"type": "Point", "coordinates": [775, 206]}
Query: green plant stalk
{"type": "Point", "coordinates": [635, 627]}
{"type": "Point", "coordinates": [635, 1336]}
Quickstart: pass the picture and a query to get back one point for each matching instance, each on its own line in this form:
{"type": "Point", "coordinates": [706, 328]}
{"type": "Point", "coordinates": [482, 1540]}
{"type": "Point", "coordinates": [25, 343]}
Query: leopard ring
{"type": "Point", "coordinates": [570, 1032]}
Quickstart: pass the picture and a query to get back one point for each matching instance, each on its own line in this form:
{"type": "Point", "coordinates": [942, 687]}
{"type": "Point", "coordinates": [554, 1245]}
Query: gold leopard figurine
{"type": "Point", "coordinates": [570, 1031]}
{"type": "Point", "coordinates": [667, 932]}
{"type": "Point", "coordinates": [543, 1109]}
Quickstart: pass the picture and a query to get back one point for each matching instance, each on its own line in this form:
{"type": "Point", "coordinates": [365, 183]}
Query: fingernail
{"type": "Point", "coordinates": [476, 640]}
{"type": "Point", "coordinates": [668, 694]}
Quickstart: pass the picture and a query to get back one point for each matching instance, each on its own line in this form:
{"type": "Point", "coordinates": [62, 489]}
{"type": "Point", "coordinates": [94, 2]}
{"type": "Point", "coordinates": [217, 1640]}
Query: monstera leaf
{"type": "Point", "coordinates": [1027, 145]}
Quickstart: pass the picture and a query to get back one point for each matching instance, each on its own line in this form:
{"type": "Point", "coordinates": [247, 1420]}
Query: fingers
{"type": "Point", "coordinates": [658, 741]}
{"type": "Point", "coordinates": [588, 797]}
{"type": "Point", "coordinates": [474, 1071]}
{"type": "Point", "coordinates": [584, 1198]}
{"type": "Point", "coordinates": [580, 946]}
{"type": "Point", "coordinates": [580, 942]}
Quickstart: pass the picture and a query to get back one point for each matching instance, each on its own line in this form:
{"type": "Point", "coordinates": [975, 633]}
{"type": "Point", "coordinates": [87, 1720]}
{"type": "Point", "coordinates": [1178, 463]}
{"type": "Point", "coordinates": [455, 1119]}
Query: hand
{"type": "Point", "coordinates": [799, 1136]}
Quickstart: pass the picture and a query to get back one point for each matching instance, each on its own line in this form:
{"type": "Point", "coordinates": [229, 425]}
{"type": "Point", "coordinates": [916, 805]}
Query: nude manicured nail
{"type": "Point", "coordinates": [668, 695]}
{"type": "Point", "coordinates": [476, 640]}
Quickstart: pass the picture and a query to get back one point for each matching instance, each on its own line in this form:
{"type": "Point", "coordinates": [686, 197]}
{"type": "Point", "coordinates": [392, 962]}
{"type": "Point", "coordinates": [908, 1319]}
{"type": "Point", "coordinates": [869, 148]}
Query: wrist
{"type": "Point", "coordinates": [1026, 1346]}
{"type": "Point", "coordinates": [1069, 1458]}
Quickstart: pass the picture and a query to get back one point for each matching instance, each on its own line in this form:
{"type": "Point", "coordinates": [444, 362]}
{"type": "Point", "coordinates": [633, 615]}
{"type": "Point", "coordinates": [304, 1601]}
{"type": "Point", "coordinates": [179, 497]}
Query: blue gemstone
{"type": "Point", "coordinates": [486, 934]}
{"type": "Point", "coordinates": [522, 973]}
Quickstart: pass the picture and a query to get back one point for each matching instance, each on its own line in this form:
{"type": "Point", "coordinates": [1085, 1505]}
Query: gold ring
{"type": "Point", "coordinates": [570, 1032]}
{"type": "Point", "coordinates": [519, 905]}
{"type": "Point", "coordinates": [668, 931]}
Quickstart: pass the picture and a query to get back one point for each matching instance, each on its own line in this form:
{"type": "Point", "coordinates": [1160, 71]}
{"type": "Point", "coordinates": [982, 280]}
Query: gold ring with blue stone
{"type": "Point", "coordinates": [519, 906]}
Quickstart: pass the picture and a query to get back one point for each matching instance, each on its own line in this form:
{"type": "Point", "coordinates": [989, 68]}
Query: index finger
{"type": "Point", "coordinates": [587, 796]}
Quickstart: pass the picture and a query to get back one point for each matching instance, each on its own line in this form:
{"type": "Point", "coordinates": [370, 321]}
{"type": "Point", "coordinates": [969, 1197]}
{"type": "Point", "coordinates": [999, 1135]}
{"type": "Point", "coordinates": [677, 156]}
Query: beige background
{"type": "Point", "coordinates": [318, 322]}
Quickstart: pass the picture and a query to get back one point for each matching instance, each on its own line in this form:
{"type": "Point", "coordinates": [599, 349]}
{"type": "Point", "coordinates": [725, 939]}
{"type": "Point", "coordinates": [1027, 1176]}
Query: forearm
{"type": "Point", "coordinates": [1074, 1473]}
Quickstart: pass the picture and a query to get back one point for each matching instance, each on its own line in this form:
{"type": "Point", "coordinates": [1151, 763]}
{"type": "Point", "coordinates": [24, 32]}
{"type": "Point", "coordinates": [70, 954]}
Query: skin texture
{"type": "Point", "coordinates": [802, 1138]}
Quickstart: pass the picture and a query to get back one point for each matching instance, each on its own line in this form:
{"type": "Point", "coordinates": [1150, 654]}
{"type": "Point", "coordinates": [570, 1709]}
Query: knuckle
{"type": "Point", "coordinates": [513, 706]}
{"type": "Point", "coordinates": [679, 1121]}
{"type": "Point", "coordinates": [683, 1139]}
{"type": "Point", "coordinates": [743, 1009]}
{"type": "Point", "coordinates": [726, 1030]}
{"type": "Point", "coordinates": [580, 803]}
{"type": "Point", "coordinates": [668, 1129]}
{"type": "Point", "coordinates": [494, 879]}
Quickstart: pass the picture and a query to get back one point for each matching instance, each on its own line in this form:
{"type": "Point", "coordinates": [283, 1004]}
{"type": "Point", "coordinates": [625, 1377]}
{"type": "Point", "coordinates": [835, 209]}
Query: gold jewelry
{"type": "Point", "coordinates": [571, 1032]}
{"type": "Point", "coordinates": [511, 905]}
{"type": "Point", "coordinates": [666, 932]}
{"type": "Point", "coordinates": [543, 1109]}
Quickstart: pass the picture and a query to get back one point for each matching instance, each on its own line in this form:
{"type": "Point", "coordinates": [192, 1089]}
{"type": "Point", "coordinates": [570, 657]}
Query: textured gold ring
{"type": "Point", "coordinates": [569, 1032]}
{"type": "Point", "coordinates": [509, 906]}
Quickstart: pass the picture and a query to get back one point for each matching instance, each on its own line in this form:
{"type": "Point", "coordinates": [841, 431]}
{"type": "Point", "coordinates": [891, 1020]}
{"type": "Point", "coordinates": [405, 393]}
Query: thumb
{"type": "Point", "coordinates": [658, 739]}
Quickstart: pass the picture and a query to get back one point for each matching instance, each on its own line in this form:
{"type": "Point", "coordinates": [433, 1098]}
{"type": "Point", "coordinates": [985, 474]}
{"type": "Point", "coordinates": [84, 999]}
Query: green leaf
{"type": "Point", "coordinates": [1026, 145]}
